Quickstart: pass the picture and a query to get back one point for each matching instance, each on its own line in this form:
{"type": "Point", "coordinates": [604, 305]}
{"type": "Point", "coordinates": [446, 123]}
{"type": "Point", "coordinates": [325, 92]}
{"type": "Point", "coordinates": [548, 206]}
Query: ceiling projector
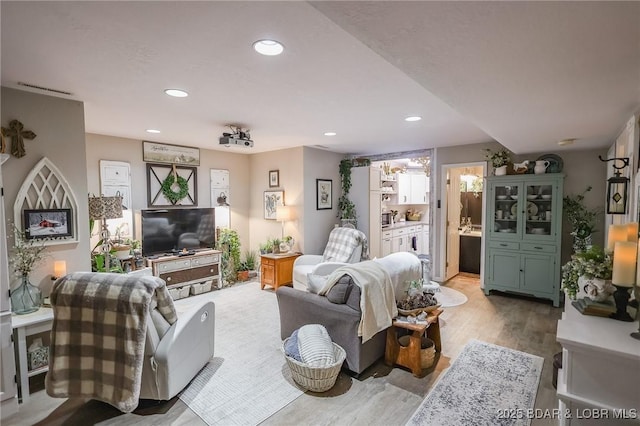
{"type": "Point", "coordinates": [237, 138]}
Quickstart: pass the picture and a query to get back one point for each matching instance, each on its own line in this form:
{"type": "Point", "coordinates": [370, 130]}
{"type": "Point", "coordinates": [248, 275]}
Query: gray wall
{"type": "Point", "coordinates": [317, 224]}
{"type": "Point", "coordinates": [582, 169]}
{"type": "Point", "coordinates": [59, 126]}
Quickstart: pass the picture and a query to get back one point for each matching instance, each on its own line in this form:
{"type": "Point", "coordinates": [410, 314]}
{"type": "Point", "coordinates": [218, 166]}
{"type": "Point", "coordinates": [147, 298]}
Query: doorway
{"type": "Point", "coordinates": [462, 219]}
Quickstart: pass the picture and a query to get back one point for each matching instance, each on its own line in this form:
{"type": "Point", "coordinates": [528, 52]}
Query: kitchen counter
{"type": "Point", "coordinates": [471, 234]}
{"type": "Point", "coordinates": [404, 225]}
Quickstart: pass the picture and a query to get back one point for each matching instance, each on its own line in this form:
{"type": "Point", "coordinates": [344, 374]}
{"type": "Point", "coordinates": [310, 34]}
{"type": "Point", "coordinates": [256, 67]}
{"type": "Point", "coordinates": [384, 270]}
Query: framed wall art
{"type": "Point", "coordinates": [171, 185]}
{"type": "Point", "coordinates": [274, 178]}
{"type": "Point", "coordinates": [323, 194]}
{"type": "Point", "coordinates": [47, 223]}
{"type": "Point", "coordinates": [272, 199]}
{"type": "Point", "coordinates": [154, 152]}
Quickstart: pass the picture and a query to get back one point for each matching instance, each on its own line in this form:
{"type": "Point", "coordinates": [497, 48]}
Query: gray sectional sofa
{"type": "Point", "coordinates": [339, 312]}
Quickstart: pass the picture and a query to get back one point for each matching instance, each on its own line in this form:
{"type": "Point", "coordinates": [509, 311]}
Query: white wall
{"type": "Point", "coordinates": [289, 164]}
{"type": "Point", "coordinates": [59, 127]}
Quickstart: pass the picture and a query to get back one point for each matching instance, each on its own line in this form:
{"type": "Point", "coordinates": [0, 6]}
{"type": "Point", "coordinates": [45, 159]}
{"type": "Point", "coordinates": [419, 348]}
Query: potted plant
{"type": "Point", "coordinates": [229, 244]}
{"type": "Point", "coordinates": [346, 208]}
{"type": "Point", "coordinates": [26, 255]}
{"type": "Point", "coordinates": [499, 160]}
{"type": "Point", "coordinates": [588, 273]}
{"type": "Point", "coordinates": [582, 219]}
{"type": "Point", "coordinates": [243, 271]}
{"type": "Point", "coordinates": [276, 245]}
{"type": "Point", "coordinates": [250, 259]}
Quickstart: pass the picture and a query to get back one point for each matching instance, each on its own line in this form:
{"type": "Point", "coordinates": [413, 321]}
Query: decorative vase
{"type": "Point", "coordinates": [597, 289]}
{"type": "Point", "coordinates": [501, 171]}
{"type": "Point", "coordinates": [581, 244]}
{"type": "Point", "coordinates": [25, 298]}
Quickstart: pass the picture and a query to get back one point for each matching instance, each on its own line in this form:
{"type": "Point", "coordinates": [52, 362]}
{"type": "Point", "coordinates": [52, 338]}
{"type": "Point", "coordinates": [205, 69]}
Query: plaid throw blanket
{"type": "Point", "coordinates": [342, 242]}
{"type": "Point", "coordinates": [98, 335]}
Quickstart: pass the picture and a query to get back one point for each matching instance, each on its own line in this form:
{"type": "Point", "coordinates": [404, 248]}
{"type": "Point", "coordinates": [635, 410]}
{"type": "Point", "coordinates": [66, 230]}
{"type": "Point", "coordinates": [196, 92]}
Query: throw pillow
{"type": "Point", "coordinates": [315, 283]}
{"type": "Point", "coordinates": [339, 293]}
{"type": "Point", "coordinates": [291, 347]}
{"type": "Point", "coordinates": [315, 346]}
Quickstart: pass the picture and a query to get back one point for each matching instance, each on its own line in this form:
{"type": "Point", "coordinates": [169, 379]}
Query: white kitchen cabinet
{"type": "Point", "coordinates": [412, 188]}
{"type": "Point", "coordinates": [400, 240]}
{"type": "Point", "coordinates": [404, 188]}
{"type": "Point", "coordinates": [386, 243]}
{"type": "Point", "coordinates": [424, 240]}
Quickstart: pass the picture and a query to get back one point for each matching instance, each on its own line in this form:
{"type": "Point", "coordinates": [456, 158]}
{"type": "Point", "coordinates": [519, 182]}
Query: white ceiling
{"type": "Point", "coordinates": [524, 74]}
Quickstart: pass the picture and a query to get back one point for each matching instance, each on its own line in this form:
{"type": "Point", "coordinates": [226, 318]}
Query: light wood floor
{"type": "Point", "coordinates": [381, 395]}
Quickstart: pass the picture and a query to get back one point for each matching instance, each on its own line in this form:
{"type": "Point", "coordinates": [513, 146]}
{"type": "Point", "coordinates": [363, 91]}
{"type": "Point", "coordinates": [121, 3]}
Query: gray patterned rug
{"type": "Point", "coordinates": [486, 385]}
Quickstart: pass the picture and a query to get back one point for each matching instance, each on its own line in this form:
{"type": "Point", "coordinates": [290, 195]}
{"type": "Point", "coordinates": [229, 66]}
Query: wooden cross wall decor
{"type": "Point", "coordinates": [16, 133]}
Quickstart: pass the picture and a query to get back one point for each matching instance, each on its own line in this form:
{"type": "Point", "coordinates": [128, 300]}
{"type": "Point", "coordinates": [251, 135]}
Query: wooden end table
{"type": "Point", "coordinates": [409, 356]}
{"type": "Point", "coordinates": [277, 269]}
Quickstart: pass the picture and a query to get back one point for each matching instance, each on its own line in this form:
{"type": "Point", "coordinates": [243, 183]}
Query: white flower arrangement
{"type": "Point", "coordinates": [26, 254]}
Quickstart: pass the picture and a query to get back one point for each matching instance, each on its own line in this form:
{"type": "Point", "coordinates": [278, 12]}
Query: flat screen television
{"type": "Point", "coordinates": [173, 230]}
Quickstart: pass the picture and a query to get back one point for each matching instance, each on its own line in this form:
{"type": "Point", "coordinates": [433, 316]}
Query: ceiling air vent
{"type": "Point", "coordinates": [46, 89]}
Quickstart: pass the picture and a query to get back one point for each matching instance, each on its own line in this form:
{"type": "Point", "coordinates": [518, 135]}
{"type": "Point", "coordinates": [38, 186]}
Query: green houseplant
{"type": "Point", "coordinates": [26, 255]}
{"type": "Point", "coordinates": [592, 263]}
{"type": "Point", "coordinates": [499, 160]}
{"type": "Point", "coordinates": [346, 208]}
{"type": "Point", "coordinates": [581, 219]}
{"type": "Point", "coordinates": [229, 244]}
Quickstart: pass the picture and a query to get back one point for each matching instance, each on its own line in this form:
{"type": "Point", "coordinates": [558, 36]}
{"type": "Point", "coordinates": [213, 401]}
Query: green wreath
{"type": "Point", "coordinates": [169, 193]}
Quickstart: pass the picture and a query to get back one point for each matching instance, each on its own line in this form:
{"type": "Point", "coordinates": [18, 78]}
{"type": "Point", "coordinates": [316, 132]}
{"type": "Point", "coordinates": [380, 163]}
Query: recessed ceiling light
{"type": "Point", "coordinates": [565, 142]}
{"type": "Point", "coordinates": [268, 47]}
{"type": "Point", "coordinates": [176, 93]}
{"type": "Point", "coordinates": [413, 118]}
{"type": "Point", "coordinates": [153, 131]}
{"type": "Point", "coordinates": [330, 133]}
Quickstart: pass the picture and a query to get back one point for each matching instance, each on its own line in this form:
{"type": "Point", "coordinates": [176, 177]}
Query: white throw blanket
{"type": "Point", "coordinates": [377, 301]}
{"type": "Point", "coordinates": [402, 267]}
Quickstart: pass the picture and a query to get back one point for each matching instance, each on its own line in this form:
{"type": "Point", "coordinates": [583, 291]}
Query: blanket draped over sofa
{"type": "Point", "coordinates": [377, 300]}
{"type": "Point", "coordinates": [98, 335]}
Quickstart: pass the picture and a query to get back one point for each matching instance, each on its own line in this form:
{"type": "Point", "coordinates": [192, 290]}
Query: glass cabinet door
{"type": "Point", "coordinates": [540, 213]}
{"type": "Point", "coordinates": [505, 208]}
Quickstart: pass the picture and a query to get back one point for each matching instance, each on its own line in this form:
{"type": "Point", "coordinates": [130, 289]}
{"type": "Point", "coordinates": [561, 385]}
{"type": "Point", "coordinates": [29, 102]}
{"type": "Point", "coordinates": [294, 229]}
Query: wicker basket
{"type": "Point", "coordinates": [427, 350]}
{"type": "Point", "coordinates": [316, 379]}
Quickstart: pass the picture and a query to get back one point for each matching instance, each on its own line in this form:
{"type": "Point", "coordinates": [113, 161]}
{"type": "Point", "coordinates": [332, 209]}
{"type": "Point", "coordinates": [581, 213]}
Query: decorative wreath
{"type": "Point", "coordinates": [169, 193]}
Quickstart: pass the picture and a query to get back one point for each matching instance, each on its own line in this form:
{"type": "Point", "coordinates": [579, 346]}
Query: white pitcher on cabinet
{"type": "Point", "coordinates": [541, 167]}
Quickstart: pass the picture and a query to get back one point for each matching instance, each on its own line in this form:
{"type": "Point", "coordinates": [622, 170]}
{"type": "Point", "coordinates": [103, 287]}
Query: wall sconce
{"type": "Point", "coordinates": [617, 187]}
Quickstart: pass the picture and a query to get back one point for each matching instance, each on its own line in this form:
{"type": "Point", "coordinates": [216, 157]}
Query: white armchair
{"type": "Point", "coordinates": [345, 245]}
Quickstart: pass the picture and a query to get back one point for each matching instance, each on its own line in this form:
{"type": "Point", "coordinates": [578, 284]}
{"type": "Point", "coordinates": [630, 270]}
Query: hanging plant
{"type": "Point", "coordinates": [179, 183]}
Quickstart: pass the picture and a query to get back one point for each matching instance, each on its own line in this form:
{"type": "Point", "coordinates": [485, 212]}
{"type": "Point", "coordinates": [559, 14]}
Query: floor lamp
{"type": "Point", "coordinates": [103, 208]}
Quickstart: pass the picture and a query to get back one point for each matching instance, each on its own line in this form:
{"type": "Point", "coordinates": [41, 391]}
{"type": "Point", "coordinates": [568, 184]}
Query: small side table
{"type": "Point", "coordinates": [37, 322]}
{"type": "Point", "coordinates": [409, 356]}
{"type": "Point", "coordinates": [277, 269]}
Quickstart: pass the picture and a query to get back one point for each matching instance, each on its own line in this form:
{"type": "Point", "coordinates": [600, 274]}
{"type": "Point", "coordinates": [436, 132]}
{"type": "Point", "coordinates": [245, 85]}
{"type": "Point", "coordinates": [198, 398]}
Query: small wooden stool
{"type": "Point", "coordinates": [409, 356]}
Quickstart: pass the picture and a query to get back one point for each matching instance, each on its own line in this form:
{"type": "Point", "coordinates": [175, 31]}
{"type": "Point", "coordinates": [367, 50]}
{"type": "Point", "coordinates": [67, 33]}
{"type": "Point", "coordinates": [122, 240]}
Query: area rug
{"type": "Point", "coordinates": [483, 386]}
{"type": "Point", "coordinates": [248, 379]}
{"type": "Point", "coordinates": [449, 297]}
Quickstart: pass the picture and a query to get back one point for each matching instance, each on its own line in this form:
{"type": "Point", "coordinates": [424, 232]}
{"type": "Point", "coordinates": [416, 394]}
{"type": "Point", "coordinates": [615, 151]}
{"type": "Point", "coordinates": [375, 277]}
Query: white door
{"type": "Point", "coordinates": [453, 223]}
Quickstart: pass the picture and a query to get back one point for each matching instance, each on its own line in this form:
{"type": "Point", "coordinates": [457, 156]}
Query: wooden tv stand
{"type": "Point", "coordinates": [180, 271]}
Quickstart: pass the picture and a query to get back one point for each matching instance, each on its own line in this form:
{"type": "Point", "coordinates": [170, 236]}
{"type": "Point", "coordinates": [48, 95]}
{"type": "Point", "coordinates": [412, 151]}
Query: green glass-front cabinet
{"type": "Point", "coordinates": [524, 229]}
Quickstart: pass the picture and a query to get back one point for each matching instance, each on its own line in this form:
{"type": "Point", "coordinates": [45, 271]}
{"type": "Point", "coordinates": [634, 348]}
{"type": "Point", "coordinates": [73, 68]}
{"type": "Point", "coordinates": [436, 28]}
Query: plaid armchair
{"type": "Point", "coordinates": [345, 245]}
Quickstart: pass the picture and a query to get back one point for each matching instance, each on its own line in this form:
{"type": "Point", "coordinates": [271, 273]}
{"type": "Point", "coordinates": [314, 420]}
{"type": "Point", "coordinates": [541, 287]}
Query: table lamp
{"type": "Point", "coordinates": [625, 255]}
{"type": "Point", "coordinates": [103, 208]}
{"type": "Point", "coordinates": [283, 214]}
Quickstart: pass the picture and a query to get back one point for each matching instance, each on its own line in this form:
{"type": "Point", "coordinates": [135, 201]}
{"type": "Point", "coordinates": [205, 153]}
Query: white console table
{"type": "Point", "coordinates": [600, 368]}
{"type": "Point", "coordinates": [23, 326]}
